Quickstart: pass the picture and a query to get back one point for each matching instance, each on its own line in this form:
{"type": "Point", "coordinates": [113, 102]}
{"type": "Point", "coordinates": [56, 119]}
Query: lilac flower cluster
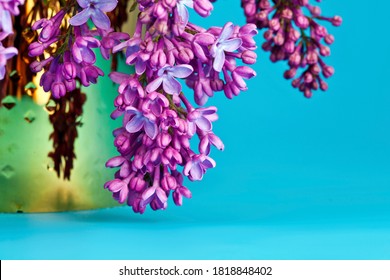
{"type": "Point", "coordinates": [158, 119]}
{"type": "Point", "coordinates": [74, 58]}
{"type": "Point", "coordinates": [8, 8]}
{"type": "Point", "coordinates": [286, 22]}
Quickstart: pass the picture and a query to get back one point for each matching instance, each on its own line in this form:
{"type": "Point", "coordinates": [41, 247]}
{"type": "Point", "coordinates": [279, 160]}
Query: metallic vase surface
{"type": "Point", "coordinates": [28, 182]}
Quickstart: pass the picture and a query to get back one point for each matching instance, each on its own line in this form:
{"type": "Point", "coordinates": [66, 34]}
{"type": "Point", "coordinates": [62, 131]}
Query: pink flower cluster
{"type": "Point", "coordinates": [293, 33]}
{"type": "Point", "coordinates": [158, 119]}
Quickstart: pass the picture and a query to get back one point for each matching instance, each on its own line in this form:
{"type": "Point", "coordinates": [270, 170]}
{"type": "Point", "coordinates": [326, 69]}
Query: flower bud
{"type": "Point", "coordinates": [329, 39]}
{"type": "Point", "coordinates": [289, 46]}
{"type": "Point", "coordinates": [295, 59]}
{"type": "Point", "coordinates": [308, 78]}
{"type": "Point", "coordinates": [336, 20]}
{"type": "Point", "coordinates": [250, 9]}
{"type": "Point", "coordinates": [287, 13]}
{"type": "Point", "coordinates": [69, 70]}
{"type": "Point", "coordinates": [36, 49]}
{"type": "Point", "coordinates": [312, 57]}
{"type": "Point", "coordinates": [315, 11]}
{"type": "Point", "coordinates": [203, 7]}
{"type": "Point", "coordinates": [274, 24]}
{"type": "Point", "coordinates": [249, 57]}
{"type": "Point", "coordinates": [58, 90]}
{"type": "Point", "coordinates": [301, 21]}
{"type": "Point", "coordinates": [216, 84]}
{"type": "Point", "coordinates": [230, 89]}
{"type": "Point", "coordinates": [185, 55]}
{"type": "Point", "coordinates": [307, 93]}
{"type": "Point", "coordinates": [323, 86]}
{"type": "Point", "coordinates": [324, 50]}
{"type": "Point", "coordinates": [327, 71]}
{"type": "Point", "coordinates": [289, 74]}
{"type": "Point", "coordinates": [262, 16]}
{"type": "Point", "coordinates": [163, 139]}
{"type": "Point", "coordinates": [279, 39]}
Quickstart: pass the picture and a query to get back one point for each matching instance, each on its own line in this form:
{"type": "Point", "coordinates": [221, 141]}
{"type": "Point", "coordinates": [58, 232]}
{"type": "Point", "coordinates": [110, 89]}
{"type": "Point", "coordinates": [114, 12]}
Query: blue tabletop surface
{"type": "Point", "coordinates": [117, 234]}
{"type": "Point", "coordinates": [299, 179]}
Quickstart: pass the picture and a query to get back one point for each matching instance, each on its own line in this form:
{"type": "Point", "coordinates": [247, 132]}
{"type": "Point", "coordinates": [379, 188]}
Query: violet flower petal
{"type": "Point", "coordinates": [208, 110]}
{"type": "Point", "coordinates": [150, 129]}
{"type": "Point", "coordinates": [118, 77]}
{"type": "Point", "coordinates": [219, 59]}
{"type": "Point", "coordinates": [183, 13]}
{"type": "Point", "coordinates": [88, 55]}
{"type": "Point", "coordinates": [76, 51]}
{"type": "Point", "coordinates": [177, 198]}
{"type": "Point", "coordinates": [2, 71]}
{"type": "Point", "coordinates": [132, 111]}
{"type": "Point", "coordinates": [216, 141]}
{"type": "Point", "coordinates": [83, 3]}
{"type": "Point", "coordinates": [148, 195]}
{"type": "Point", "coordinates": [201, 99]}
{"type": "Point", "coordinates": [116, 185]}
{"type": "Point", "coordinates": [156, 109]}
{"type": "Point", "coordinates": [123, 194]}
{"type": "Point", "coordinates": [135, 124]}
{"type": "Point", "coordinates": [185, 192]}
{"type": "Point", "coordinates": [187, 168]}
{"type": "Point", "coordinates": [140, 66]}
{"type": "Point", "coordinates": [188, 3]}
{"type": "Point", "coordinates": [231, 45]}
{"type": "Point", "coordinates": [171, 85]}
{"type": "Point", "coordinates": [204, 124]}
{"type": "Point", "coordinates": [100, 19]}
{"type": "Point", "coordinates": [191, 128]}
{"type": "Point", "coordinates": [209, 163]}
{"type": "Point", "coordinates": [6, 21]}
{"type": "Point", "coordinates": [125, 169]}
{"type": "Point", "coordinates": [153, 85]}
{"type": "Point", "coordinates": [181, 71]}
{"type": "Point", "coordinates": [91, 42]}
{"type": "Point", "coordinates": [81, 18]}
{"type": "Point", "coordinates": [161, 195]}
{"type": "Point", "coordinates": [226, 32]}
{"type": "Point", "coordinates": [115, 161]}
{"type": "Point", "coordinates": [8, 52]}
{"type": "Point", "coordinates": [106, 5]}
{"type": "Point", "coordinates": [196, 172]}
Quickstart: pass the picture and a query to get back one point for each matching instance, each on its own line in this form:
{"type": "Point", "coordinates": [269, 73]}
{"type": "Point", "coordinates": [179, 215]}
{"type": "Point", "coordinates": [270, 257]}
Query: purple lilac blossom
{"type": "Point", "coordinates": [222, 44]}
{"type": "Point", "coordinates": [166, 76]}
{"type": "Point", "coordinates": [158, 119]}
{"type": "Point", "coordinates": [78, 60]}
{"type": "Point", "coordinates": [62, 71]}
{"type": "Point", "coordinates": [293, 33]}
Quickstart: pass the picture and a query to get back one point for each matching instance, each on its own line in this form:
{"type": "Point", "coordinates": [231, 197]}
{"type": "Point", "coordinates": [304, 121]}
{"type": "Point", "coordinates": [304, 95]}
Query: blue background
{"type": "Point", "coordinates": [299, 178]}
